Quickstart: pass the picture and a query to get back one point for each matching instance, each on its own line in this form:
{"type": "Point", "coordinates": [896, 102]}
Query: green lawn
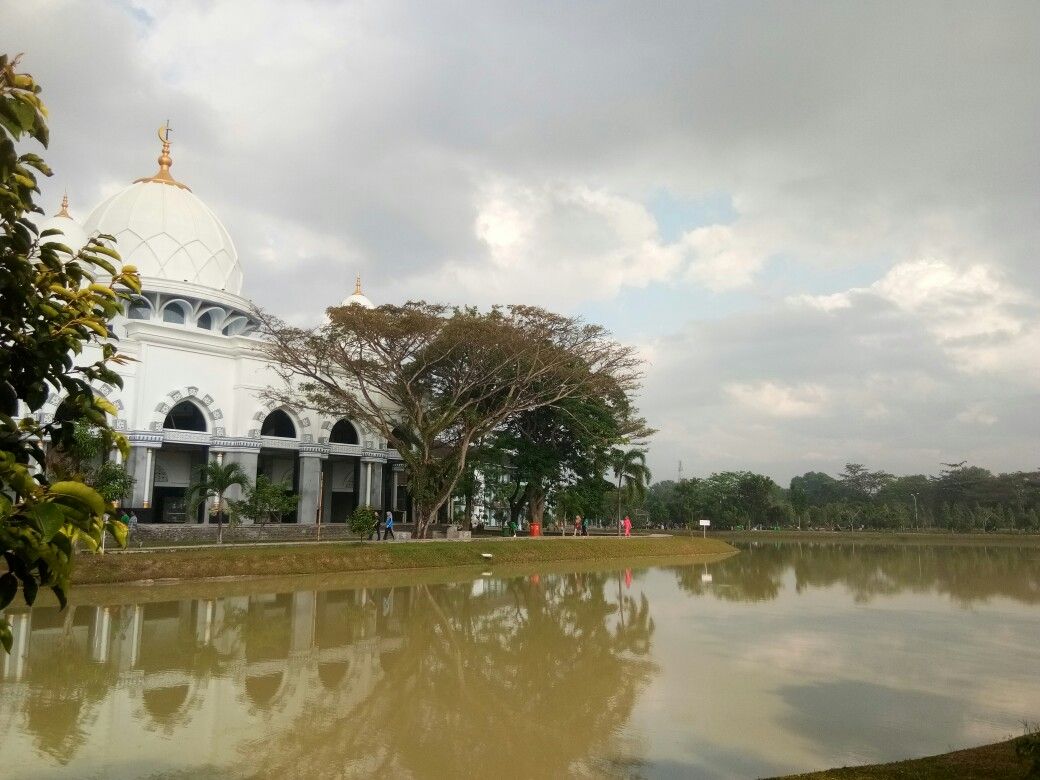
{"type": "Point", "coordinates": [312, 558]}
{"type": "Point", "coordinates": [981, 763]}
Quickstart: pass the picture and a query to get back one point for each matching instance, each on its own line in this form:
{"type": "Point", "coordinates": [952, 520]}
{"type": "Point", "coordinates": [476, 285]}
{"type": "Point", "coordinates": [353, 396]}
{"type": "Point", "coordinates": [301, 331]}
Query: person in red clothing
{"type": "Point", "coordinates": [628, 526]}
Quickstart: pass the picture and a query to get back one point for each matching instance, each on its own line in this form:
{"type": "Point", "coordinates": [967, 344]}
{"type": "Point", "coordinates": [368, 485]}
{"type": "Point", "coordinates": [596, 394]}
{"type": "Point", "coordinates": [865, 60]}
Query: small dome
{"type": "Point", "coordinates": [73, 235]}
{"type": "Point", "coordinates": [163, 228]}
{"type": "Point", "coordinates": [358, 298]}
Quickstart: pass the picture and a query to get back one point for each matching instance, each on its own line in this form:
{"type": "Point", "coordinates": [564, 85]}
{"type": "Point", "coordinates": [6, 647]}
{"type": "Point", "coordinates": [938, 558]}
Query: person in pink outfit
{"type": "Point", "coordinates": [628, 526]}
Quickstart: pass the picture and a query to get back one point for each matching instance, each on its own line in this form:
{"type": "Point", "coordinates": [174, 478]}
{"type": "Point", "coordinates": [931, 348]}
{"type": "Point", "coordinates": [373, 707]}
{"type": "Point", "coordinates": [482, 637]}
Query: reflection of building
{"type": "Point", "coordinates": [214, 672]}
{"type": "Point", "coordinates": [192, 391]}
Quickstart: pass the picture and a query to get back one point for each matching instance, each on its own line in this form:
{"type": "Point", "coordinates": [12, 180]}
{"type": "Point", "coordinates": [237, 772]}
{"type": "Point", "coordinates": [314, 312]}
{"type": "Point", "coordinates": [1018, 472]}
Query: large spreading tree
{"type": "Point", "coordinates": [435, 380]}
{"type": "Point", "coordinates": [54, 303]}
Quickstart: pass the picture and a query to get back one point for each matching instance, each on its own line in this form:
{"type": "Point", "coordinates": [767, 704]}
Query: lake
{"type": "Point", "coordinates": [785, 657]}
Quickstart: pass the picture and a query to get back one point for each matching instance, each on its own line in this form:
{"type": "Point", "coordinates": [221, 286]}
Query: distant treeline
{"type": "Point", "coordinates": [959, 498]}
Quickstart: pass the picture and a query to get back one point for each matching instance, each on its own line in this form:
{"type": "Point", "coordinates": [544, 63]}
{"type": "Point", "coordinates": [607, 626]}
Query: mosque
{"type": "Point", "coordinates": [193, 389]}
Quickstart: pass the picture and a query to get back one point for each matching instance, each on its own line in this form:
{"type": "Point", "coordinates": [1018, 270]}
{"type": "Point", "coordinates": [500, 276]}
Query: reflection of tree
{"type": "Point", "coordinates": [753, 575]}
{"type": "Point", "coordinates": [968, 573]}
{"type": "Point", "coordinates": [529, 682]}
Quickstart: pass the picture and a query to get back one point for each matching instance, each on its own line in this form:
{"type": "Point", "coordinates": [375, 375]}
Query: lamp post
{"type": "Point", "coordinates": [914, 497]}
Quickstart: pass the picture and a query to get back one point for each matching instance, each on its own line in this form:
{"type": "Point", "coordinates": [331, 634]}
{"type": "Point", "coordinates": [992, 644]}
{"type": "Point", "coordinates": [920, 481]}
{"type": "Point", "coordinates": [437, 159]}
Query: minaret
{"type": "Point", "coordinates": [163, 175]}
{"type": "Point", "coordinates": [64, 207]}
{"type": "Point", "coordinates": [357, 285]}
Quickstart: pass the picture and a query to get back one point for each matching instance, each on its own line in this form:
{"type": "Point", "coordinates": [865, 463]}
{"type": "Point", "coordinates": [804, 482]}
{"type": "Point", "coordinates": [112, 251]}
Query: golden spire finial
{"type": "Point", "coordinates": [165, 161]}
{"type": "Point", "coordinates": [357, 285]}
{"type": "Point", "coordinates": [64, 206]}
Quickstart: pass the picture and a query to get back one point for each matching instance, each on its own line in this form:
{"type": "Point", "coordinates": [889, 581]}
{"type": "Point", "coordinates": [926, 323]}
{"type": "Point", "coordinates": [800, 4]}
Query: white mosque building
{"type": "Point", "coordinates": [193, 390]}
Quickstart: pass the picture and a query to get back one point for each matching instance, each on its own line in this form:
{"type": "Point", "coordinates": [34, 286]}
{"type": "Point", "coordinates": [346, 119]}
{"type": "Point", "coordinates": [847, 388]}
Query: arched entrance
{"type": "Point", "coordinates": [177, 463]}
{"type": "Point", "coordinates": [341, 473]}
{"type": "Point", "coordinates": [278, 460]}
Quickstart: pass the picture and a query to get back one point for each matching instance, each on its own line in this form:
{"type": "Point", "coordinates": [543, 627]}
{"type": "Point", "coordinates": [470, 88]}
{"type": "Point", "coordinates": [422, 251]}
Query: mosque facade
{"type": "Point", "coordinates": [193, 389]}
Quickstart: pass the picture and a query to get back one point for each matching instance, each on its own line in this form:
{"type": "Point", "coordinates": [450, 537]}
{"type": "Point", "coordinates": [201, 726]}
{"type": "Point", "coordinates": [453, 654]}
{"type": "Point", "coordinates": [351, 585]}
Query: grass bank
{"type": "Point", "coordinates": [981, 763]}
{"type": "Point", "coordinates": [315, 558]}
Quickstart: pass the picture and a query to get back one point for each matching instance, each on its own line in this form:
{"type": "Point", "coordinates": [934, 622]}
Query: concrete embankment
{"type": "Point", "coordinates": [320, 558]}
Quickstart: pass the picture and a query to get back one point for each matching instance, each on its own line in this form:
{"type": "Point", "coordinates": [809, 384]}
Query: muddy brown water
{"type": "Point", "coordinates": [786, 657]}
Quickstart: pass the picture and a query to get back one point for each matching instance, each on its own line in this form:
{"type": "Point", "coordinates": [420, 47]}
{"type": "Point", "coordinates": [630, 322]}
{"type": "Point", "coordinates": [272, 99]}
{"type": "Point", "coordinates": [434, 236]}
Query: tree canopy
{"type": "Point", "coordinates": [435, 381]}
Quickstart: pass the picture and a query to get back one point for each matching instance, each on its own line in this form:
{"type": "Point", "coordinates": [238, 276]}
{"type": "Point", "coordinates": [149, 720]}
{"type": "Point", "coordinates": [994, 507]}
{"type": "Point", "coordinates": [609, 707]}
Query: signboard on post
{"type": "Point", "coordinates": [704, 527]}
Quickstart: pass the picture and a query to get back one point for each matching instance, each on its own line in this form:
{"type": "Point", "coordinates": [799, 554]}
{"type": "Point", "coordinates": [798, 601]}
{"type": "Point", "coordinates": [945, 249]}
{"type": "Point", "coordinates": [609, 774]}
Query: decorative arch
{"type": "Point", "coordinates": [184, 307]}
{"type": "Point", "coordinates": [343, 431]}
{"type": "Point", "coordinates": [215, 315]}
{"type": "Point", "coordinates": [278, 423]}
{"type": "Point", "coordinates": [186, 415]}
{"type": "Point", "coordinates": [302, 423]}
{"type": "Point", "coordinates": [213, 413]}
{"type": "Point", "coordinates": [140, 308]}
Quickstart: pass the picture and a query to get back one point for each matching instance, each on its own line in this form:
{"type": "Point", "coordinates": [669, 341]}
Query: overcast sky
{"type": "Point", "coordinates": [819, 221]}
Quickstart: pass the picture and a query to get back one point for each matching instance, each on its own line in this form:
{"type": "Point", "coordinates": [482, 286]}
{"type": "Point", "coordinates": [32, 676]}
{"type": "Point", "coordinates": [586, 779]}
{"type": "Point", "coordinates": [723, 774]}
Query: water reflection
{"type": "Point", "coordinates": [388, 681]}
{"type": "Point", "coordinates": [966, 573]}
{"type": "Point", "coordinates": [784, 658]}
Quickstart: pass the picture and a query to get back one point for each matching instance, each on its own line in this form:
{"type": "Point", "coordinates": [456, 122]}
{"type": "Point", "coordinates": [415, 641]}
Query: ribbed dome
{"type": "Point", "coordinates": [168, 233]}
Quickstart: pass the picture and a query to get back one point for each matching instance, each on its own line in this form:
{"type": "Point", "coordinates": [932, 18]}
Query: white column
{"type": "Point", "coordinates": [100, 640]}
{"type": "Point", "coordinates": [149, 476]}
{"type": "Point", "coordinates": [14, 662]}
{"type": "Point", "coordinates": [368, 484]}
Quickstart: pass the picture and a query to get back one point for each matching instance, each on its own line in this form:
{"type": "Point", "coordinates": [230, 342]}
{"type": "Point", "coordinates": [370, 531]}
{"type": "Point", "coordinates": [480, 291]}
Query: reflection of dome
{"type": "Point", "coordinates": [161, 227]}
{"type": "Point", "coordinates": [358, 297]}
{"type": "Point", "coordinates": [331, 673]}
{"type": "Point", "coordinates": [262, 688]}
{"type": "Point", "coordinates": [162, 703]}
{"type": "Point", "coordinates": [73, 235]}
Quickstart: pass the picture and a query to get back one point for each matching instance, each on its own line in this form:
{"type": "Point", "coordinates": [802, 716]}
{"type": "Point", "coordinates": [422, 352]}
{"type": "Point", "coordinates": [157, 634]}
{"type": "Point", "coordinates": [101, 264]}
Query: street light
{"type": "Point", "coordinates": [914, 497]}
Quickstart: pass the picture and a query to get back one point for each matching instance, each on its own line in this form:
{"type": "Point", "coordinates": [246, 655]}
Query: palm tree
{"type": "Point", "coordinates": [212, 481]}
{"type": "Point", "coordinates": [630, 474]}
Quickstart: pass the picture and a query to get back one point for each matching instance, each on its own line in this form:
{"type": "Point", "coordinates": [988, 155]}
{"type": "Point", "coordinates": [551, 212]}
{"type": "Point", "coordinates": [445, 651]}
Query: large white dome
{"type": "Point", "coordinates": [161, 227]}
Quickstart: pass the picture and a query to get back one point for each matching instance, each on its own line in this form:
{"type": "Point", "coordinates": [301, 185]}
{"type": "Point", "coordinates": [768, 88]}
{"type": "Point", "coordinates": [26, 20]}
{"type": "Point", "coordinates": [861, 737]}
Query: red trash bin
{"type": "Point", "coordinates": [536, 529]}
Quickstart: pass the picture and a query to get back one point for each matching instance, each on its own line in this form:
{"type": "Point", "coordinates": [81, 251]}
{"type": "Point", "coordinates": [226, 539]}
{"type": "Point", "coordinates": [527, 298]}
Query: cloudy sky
{"type": "Point", "coordinates": [819, 221]}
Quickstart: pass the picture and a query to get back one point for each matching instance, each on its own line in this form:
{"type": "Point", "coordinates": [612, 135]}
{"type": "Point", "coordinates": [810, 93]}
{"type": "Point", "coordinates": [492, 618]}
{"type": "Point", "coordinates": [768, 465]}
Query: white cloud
{"type": "Point", "coordinates": [778, 400]}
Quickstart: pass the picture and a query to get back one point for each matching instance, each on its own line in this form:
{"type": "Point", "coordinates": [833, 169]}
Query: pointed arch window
{"type": "Point", "coordinates": [343, 432]}
{"type": "Point", "coordinates": [185, 416]}
{"type": "Point", "coordinates": [279, 424]}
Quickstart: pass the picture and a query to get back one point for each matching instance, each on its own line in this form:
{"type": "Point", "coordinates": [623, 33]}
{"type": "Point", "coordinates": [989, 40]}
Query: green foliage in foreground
{"type": "Point", "coordinates": [52, 308]}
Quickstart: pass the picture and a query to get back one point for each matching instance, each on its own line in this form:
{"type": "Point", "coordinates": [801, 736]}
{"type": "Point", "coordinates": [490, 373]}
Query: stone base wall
{"type": "Point", "coordinates": [159, 533]}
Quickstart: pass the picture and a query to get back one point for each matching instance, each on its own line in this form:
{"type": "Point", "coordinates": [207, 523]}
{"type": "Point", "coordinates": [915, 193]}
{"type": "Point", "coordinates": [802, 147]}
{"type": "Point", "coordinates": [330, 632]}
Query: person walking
{"type": "Point", "coordinates": [131, 525]}
{"type": "Point", "coordinates": [388, 533]}
{"type": "Point", "coordinates": [628, 526]}
{"type": "Point", "coordinates": [577, 525]}
{"type": "Point", "coordinates": [584, 526]}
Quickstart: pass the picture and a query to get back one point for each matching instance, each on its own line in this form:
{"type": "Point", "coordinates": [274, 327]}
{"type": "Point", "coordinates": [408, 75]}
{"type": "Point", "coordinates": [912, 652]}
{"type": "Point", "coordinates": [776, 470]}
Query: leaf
{"type": "Point", "coordinates": [48, 518]}
{"type": "Point", "coordinates": [8, 589]}
{"type": "Point", "coordinates": [6, 635]}
{"type": "Point", "coordinates": [30, 587]}
{"type": "Point", "coordinates": [59, 593]}
{"type": "Point", "coordinates": [62, 542]}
